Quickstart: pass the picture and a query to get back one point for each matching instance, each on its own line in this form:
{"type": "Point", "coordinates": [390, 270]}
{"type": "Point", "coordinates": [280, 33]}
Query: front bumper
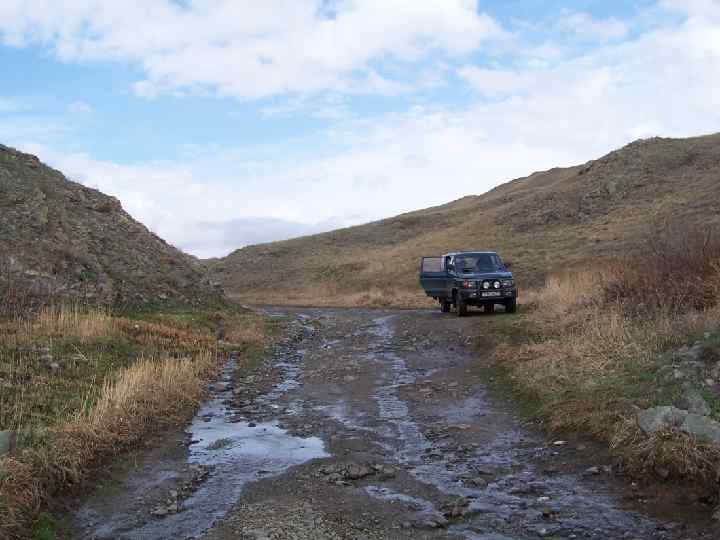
{"type": "Point", "coordinates": [481, 295]}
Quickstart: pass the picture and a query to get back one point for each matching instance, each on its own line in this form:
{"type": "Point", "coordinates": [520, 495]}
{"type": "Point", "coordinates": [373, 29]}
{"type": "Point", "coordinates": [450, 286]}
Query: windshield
{"type": "Point", "coordinates": [477, 262]}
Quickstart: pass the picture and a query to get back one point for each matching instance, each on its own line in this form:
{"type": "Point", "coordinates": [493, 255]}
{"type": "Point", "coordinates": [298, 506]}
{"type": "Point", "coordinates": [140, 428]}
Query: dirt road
{"type": "Point", "coordinates": [368, 424]}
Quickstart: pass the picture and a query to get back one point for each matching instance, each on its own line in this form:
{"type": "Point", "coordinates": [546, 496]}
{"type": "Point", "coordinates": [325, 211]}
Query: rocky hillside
{"type": "Point", "coordinates": [548, 221]}
{"type": "Point", "coordinates": [61, 239]}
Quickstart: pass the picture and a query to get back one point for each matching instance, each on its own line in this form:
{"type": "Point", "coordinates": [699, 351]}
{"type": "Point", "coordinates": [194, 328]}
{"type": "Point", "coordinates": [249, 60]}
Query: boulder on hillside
{"type": "Point", "coordinates": [7, 442]}
{"type": "Point", "coordinates": [699, 426]}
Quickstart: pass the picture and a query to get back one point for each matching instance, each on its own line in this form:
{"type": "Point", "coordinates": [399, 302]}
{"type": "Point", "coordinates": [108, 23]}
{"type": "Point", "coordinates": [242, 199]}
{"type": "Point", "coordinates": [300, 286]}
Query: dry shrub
{"type": "Point", "coordinates": [70, 320]}
{"type": "Point", "coordinates": [163, 336]}
{"type": "Point", "coordinates": [89, 324]}
{"type": "Point", "coordinates": [252, 332]}
{"type": "Point", "coordinates": [679, 454]}
{"type": "Point", "coordinates": [677, 269]}
{"type": "Point", "coordinates": [597, 339]}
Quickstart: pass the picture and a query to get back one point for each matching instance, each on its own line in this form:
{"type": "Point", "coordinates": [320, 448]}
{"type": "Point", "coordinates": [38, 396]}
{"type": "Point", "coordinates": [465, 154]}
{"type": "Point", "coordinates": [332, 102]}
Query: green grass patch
{"type": "Point", "coordinates": [46, 527]}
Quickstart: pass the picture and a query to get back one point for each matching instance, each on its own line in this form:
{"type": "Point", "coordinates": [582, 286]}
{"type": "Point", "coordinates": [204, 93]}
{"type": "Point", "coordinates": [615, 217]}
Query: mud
{"type": "Point", "coordinates": [367, 424]}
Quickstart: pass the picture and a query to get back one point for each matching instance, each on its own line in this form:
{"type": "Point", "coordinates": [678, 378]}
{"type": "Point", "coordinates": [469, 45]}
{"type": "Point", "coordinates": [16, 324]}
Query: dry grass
{"type": "Point", "coordinates": [120, 379]}
{"type": "Point", "coordinates": [593, 357]}
{"type": "Point", "coordinates": [332, 296]}
{"type": "Point", "coordinates": [557, 219]}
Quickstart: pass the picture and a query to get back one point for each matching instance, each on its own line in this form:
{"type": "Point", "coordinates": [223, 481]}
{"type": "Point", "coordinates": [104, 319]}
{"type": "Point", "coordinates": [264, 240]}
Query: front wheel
{"type": "Point", "coordinates": [445, 306]}
{"type": "Point", "coordinates": [511, 306]}
{"type": "Point", "coordinates": [461, 306]}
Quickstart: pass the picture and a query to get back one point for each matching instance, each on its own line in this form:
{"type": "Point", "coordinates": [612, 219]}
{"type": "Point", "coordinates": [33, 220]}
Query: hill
{"type": "Point", "coordinates": [61, 239]}
{"type": "Point", "coordinates": [545, 222]}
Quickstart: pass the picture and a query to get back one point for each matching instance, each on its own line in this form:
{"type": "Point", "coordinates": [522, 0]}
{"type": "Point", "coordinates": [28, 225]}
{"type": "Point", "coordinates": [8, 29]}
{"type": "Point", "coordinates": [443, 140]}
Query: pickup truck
{"type": "Point", "coordinates": [469, 278]}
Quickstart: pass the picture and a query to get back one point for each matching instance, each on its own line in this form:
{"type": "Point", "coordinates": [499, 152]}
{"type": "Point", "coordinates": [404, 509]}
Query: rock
{"type": "Point", "coordinates": [456, 509]}
{"type": "Point", "coordinates": [693, 402]}
{"type": "Point", "coordinates": [688, 354]}
{"type": "Point", "coordinates": [593, 470]}
{"type": "Point", "coordinates": [385, 472]}
{"type": "Point", "coordinates": [220, 444]}
{"type": "Point", "coordinates": [549, 513]}
{"type": "Point", "coordinates": [54, 366]}
{"type": "Point", "coordinates": [657, 418]}
{"type": "Point", "coordinates": [160, 511]}
{"type": "Point", "coordinates": [478, 482]}
{"type": "Point", "coordinates": [7, 442]}
{"type": "Point", "coordinates": [438, 522]}
{"type": "Point", "coordinates": [355, 471]}
{"type": "Point", "coordinates": [702, 428]}
{"type": "Point", "coordinates": [257, 534]}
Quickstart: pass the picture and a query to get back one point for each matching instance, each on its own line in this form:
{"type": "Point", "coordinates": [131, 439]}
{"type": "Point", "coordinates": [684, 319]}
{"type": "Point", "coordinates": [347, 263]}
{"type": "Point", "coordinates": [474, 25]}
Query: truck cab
{"type": "Point", "coordinates": [469, 278]}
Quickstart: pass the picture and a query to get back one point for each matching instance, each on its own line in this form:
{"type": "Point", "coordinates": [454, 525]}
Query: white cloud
{"type": "Point", "coordinates": [665, 80]}
{"type": "Point", "coordinates": [526, 118]}
{"type": "Point", "coordinates": [250, 49]}
{"type": "Point", "coordinates": [496, 82]}
{"type": "Point", "coordinates": [699, 8]}
{"type": "Point", "coordinates": [587, 28]}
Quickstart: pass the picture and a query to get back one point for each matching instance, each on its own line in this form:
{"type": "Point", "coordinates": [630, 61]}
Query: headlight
{"type": "Point", "coordinates": [507, 283]}
{"type": "Point", "coordinates": [496, 284]}
{"type": "Point", "coordinates": [486, 285]}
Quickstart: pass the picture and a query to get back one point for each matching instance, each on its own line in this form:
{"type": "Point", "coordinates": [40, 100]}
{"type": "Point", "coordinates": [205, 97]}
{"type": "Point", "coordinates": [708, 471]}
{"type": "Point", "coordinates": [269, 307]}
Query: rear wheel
{"type": "Point", "coordinates": [461, 306]}
{"type": "Point", "coordinates": [489, 308]}
{"type": "Point", "coordinates": [511, 306]}
{"type": "Point", "coordinates": [445, 306]}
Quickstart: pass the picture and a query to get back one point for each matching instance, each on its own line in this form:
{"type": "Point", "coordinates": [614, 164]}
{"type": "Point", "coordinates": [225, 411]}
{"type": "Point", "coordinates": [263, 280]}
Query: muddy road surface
{"type": "Point", "coordinates": [368, 424]}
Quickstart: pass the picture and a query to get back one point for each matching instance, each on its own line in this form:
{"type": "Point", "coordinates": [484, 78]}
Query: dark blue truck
{"type": "Point", "coordinates": [469, 278]}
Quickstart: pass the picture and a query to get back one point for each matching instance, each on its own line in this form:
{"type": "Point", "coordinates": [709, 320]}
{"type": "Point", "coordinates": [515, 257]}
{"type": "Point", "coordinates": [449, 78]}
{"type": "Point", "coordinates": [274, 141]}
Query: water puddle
{"type": "Point", "coordinates": [422, 507]}
{"type": "Point", "coordinates": [234, 454]}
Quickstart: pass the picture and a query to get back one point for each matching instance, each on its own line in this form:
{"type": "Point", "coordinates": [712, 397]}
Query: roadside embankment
{"type": "Point", "coordinates": [630, 353]}
{"type": "Point", "coordinates": [80, 386]}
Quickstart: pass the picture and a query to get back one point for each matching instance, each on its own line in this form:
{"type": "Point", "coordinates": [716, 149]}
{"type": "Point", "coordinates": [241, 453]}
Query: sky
{"type": "Point", "coordinates": [222, 123]}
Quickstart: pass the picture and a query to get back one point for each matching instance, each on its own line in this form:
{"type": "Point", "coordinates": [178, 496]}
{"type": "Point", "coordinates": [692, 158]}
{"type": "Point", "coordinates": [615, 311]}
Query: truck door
{"type": "Point", "coordinates": [433, 276]}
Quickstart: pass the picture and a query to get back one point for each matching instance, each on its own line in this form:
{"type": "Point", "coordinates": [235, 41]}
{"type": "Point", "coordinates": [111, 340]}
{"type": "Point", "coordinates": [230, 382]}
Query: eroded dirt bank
{"type": "Point", "coordinates": [368, 424]}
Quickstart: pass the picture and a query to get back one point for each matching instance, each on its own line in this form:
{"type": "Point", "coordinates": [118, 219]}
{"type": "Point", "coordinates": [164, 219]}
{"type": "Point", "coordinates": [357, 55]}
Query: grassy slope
{"type": "Point", "coordinates": [116, 380]}
{"type": "Point", "coordinates": [548, 221]}
{"type": "Point", "coordinates": [588, 360]}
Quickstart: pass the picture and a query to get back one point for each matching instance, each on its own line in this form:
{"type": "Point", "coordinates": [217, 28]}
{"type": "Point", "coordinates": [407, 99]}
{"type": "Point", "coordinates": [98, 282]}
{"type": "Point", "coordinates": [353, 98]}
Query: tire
{"type": "Point", "coordinates": [489, 308]}
{"type": "Point", "coordinates": [511, 306]}
{"type": "Point", "coordinates": [445, 306]}
{"type": "Point", "coordinates": [461, 306]}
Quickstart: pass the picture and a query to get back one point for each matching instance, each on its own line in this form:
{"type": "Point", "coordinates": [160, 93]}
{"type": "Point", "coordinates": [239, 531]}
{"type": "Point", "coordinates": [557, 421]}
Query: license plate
{"type": "Point", "coordinates": [491, 293]}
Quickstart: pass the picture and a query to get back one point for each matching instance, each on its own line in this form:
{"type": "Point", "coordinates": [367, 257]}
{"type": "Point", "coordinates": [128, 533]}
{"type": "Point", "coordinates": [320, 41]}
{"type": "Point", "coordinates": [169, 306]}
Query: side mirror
{"type": "Point", "coordinates": [508, 264]}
